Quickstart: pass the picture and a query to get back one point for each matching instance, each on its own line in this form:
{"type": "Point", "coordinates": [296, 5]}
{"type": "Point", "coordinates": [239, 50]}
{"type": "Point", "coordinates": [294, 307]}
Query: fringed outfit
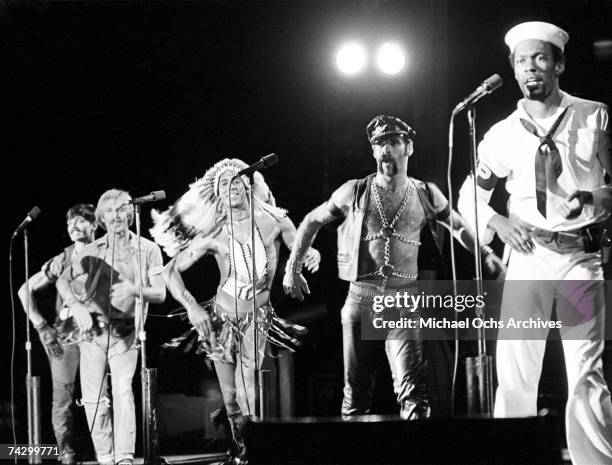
{"type": "Point", "coordinates": [200, 212]}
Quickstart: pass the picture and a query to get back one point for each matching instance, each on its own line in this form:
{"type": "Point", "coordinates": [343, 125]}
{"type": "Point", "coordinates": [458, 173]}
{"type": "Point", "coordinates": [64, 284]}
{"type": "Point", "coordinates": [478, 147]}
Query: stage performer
{"type": "Point", "coordinates": [213, 218]}
{"type": "Point", "coordinates": [554, 150]}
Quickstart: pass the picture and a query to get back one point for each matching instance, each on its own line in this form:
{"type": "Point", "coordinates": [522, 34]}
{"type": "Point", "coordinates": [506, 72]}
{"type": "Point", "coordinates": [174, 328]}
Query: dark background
{"type": "Point", "coordinates": [147, 95]}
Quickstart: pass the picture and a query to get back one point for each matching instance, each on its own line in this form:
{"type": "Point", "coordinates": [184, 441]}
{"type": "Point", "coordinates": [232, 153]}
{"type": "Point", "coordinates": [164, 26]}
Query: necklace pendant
{"type": "Point", "coordinates": [386, 270]}
{"type": "Point", "coordinates": [387, 231]}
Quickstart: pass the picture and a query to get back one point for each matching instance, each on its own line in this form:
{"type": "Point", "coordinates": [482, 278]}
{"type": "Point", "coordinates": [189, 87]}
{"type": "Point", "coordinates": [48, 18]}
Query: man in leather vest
{"type": "Point", "coordinates": [378, 247]}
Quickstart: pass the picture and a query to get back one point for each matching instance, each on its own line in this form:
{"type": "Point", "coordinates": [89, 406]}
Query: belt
{"type": "Point", "coordinates": [585, 237]}
{"type": "Point", "coordinates": [369, 290]}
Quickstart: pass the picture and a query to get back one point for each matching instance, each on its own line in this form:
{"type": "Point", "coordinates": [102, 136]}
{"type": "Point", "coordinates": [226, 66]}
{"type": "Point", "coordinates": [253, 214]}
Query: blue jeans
{"type": "Point", "coordinates": [404, 350]}
{"type": "Point", "coordinates": [114, 440]}
{"type": "Point", "coordinates": [63, 374]}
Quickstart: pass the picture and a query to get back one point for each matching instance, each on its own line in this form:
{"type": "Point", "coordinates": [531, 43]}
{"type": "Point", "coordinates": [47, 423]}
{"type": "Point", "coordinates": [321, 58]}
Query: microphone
{"type": "Point", "coordinates": [28, 219]}
{"type": "Point", "coordinates": [264, 162]}
{"type": "Point", "coordinates": [488, 85]}
{"type": "Point", "coordinates": [152, 197]}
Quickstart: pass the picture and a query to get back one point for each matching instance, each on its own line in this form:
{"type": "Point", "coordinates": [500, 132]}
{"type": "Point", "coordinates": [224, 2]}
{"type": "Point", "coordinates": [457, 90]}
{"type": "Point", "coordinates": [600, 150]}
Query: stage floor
{"type": "Point", "coordinates": [292, 441]}
{"type": "Point", "coordinates": [217, 459]}
{"type": "Point", "coordinates": [191, 459]}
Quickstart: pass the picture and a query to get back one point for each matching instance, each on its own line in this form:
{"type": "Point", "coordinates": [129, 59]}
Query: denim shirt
{"type": "Point", "coordinates": [95, 262]}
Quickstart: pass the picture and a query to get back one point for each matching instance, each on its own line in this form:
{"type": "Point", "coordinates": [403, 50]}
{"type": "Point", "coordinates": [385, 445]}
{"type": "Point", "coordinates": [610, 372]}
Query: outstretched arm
{"type": "Point", "coordinates": [198, 317]}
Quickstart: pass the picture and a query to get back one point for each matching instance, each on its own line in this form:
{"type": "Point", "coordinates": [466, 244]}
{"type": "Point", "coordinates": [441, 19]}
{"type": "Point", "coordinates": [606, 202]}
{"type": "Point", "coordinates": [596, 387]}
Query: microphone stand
{"type": "Point", "coordinates": [257, 384]}
{"type": "Point", "coordinates": [32, 382]}
{"type": "Point", "coordinates": [148, 376]}
{"type": "Point", "coordinates": [479, 369]}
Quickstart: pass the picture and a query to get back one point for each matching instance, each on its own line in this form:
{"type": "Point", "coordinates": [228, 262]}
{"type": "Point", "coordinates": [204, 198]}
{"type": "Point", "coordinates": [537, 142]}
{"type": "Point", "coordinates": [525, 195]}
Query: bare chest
{"type": "Point", "coordinates": [394, 213]}
{"type": "Point", "coordinates": [266, 235]}
{"type": "Point", "coordinates": [125, 262]}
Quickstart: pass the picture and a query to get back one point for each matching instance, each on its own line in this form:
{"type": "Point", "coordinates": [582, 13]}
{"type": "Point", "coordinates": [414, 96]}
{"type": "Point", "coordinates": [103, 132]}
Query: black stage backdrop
{"type": "Point", "coordinates": [147, 95]}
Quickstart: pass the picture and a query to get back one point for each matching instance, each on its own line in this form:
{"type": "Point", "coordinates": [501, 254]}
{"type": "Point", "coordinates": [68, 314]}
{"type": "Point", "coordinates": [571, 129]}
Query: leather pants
{"type": "Point", "coordinates": [405, 353]}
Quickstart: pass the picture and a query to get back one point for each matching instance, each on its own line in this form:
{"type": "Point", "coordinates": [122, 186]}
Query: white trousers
{"type": "Point", "coordinates": [572, 282]}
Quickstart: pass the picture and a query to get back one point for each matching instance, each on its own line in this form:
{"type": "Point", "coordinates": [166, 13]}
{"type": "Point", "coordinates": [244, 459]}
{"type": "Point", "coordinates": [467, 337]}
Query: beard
{"type": "Point", "coordinates": [387, 167]}
{"type": "Point", "coordinates": [78, 236]}
{"type": "Point", "coordinates": [539, 93]}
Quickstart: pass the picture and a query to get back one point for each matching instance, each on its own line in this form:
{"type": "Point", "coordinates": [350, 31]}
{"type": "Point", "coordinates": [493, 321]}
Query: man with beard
{"type": "Point", "coordinates": [62, 352]}
{"type": "Point", "coordinates": [555, 152]}
{"type": "Point", "coordinates": [109, 311]}
{"type": "Point", "coordinates": [378, 247]}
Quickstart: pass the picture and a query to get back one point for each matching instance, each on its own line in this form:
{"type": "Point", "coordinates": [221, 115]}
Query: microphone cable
{"type": "Point", "coordinates": [13, 344]}
{"type": "Point", "coordinates": [453, 262]}
{"type": "Point", "coordinates": [110, 288]}
{"type": "Point", "coordinates": [233, 266]}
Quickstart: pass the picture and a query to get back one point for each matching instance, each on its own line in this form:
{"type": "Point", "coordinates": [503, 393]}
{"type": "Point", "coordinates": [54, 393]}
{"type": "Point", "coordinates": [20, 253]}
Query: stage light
{"type": "Point", "coordinates": [351, 58]}
{"type": "Point", "coordinates": [390, 58]}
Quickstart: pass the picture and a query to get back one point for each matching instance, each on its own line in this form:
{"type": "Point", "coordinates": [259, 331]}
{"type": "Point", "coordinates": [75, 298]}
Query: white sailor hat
{"type": "Point", "coordinates": [536, 30]}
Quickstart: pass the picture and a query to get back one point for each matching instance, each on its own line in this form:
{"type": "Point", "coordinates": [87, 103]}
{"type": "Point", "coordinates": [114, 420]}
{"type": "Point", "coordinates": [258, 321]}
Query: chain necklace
{"type": "Point", "coordinates": [386, 232]}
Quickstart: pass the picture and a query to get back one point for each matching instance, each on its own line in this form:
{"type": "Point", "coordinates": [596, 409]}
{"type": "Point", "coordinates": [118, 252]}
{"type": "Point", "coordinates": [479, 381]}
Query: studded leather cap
{"type": "Point", "coordinates": [383, 125]}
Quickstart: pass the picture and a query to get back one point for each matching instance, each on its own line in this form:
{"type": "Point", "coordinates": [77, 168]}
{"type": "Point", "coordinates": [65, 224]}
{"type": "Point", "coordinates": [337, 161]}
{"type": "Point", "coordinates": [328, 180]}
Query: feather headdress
{"type": "Point", "coordinates": [200, 210]}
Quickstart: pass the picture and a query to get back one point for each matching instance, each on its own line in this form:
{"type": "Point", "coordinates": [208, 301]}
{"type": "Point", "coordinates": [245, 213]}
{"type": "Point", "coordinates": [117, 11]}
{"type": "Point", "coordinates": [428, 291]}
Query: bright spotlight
{"type": "Point", "coordinates": [351, 58]}
{"type": "Point", "coordinates": [390, 58]}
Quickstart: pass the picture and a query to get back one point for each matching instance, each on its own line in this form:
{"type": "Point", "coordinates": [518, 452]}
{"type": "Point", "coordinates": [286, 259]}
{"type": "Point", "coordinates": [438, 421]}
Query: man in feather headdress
{"type": "Point", "coordinates": [213, 218]}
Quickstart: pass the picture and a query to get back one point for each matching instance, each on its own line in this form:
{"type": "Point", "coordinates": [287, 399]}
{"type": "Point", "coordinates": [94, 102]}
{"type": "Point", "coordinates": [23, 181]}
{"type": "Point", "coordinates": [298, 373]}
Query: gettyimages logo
{"type": "Point", "coordinates": [516, 310]}
{"type": "Point", "coordinates": [411, 302]}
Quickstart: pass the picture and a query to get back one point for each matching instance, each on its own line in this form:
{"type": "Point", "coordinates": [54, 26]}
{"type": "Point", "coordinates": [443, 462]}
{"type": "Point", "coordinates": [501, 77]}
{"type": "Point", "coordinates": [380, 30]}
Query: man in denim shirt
{"type": "Point", "coordinates": [109, 313]}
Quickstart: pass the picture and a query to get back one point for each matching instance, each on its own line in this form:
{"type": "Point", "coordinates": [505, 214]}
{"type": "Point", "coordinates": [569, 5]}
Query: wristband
{"type": "Point", "coordinates": [41, 325]}
{"type": "Point", "coordinates": [486, 250]}
{"type": "Point", "coordinates": [295, 266]}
